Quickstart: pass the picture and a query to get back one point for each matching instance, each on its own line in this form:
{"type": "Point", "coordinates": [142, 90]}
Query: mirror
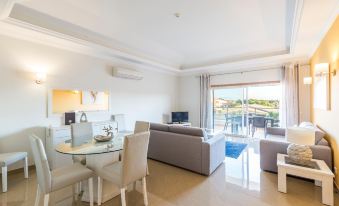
{"type": "Point", "coordinates": [75, 100]}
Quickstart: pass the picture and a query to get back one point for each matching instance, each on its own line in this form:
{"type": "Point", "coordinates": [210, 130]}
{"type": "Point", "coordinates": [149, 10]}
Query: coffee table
{"type": "Point", "coordinates": [323, 174]}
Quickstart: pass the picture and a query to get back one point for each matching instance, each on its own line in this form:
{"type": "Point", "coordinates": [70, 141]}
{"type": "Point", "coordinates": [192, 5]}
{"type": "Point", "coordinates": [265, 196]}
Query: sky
{"type": "Point", "coordinates": [255, 92]}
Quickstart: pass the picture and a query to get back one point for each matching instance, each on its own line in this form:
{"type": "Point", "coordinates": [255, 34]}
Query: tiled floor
{"type": "Point", "coordinates": [236, 182]}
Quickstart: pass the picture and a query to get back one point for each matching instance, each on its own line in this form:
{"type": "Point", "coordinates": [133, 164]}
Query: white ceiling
{"type": "Point", "coordinates": [207, 31]}
{"type": "Point", "coordinates": [209, 35]}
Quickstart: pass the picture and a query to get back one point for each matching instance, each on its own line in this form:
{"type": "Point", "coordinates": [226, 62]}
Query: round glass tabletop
{"type": "Point", "coordinates": [94, 147]}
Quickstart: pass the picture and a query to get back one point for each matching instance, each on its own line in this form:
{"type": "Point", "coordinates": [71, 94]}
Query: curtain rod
{"type": "Point", "coordinates": [246, 71]}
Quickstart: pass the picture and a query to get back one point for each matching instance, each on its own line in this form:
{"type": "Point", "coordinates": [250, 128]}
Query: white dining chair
{"type": "Point", "coordinates": [141, 126]}
{"type": "Point", "coordinates": [50, 181]}
{"type": "Point", "coordinates": [81, 133]}
{"type": "Point", "coordinates": [7, 159]}
{"type": "Point", "coordinates": [120, 120]}
{"type": "Point", "coordinates": [132, 167]}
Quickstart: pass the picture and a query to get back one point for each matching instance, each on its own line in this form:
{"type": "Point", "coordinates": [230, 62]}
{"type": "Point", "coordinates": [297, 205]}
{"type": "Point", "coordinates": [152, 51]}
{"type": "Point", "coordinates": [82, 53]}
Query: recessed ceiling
{"type": "Point", "coordinates": [207, 32]}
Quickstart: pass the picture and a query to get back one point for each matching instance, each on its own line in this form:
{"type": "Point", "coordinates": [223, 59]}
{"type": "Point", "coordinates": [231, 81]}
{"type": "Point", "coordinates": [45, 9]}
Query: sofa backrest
{"type": "Point", "coordinates": [191, 131]}
{"type": "Point", "coordinates": [159, 127]}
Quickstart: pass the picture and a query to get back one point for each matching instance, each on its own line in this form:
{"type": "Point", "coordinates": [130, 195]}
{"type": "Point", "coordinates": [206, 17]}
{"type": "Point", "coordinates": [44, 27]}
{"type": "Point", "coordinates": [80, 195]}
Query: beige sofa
{"type": "Point", "coordinates": [186, 147]}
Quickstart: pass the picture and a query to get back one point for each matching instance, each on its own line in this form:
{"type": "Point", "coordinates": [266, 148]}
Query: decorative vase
{"type": "Point", "coordinates": [299, 154]}
{"type": "Point", "coordinates": [83, 117]}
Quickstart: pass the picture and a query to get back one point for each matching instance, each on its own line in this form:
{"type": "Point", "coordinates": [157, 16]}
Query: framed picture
{"type": "Point", "coordinates": [322, 86]}
{"type": "Point", "coordinates": [73, 100]}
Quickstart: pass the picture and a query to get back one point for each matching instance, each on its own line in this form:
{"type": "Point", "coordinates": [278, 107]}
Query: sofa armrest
{"type": "Point", "coordinates": [322, 152]}
{"type": "Point", "coordinates": [268, 154]}
{"type": "Point", "coordinates": [276, 131]}
{"type": "Point", "coordinates": [213, 153]}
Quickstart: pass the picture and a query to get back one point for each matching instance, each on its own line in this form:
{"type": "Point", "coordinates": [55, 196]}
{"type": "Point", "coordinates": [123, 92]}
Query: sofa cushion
{"type": "Point", "coordinates": [159, 127]}
{"type": "Point", "coordinates": [193, 131]}
{"type": "Point", "coordinates": [319, 134]}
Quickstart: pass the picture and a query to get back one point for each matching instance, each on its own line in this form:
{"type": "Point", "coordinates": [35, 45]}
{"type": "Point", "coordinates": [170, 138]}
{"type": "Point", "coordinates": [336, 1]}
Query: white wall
{"type": "Point", "coordinates": [189, 98]}
{"type": "Point", "coordinates": [23, 104]}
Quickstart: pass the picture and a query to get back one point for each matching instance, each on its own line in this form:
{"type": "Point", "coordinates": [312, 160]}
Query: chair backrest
{"type": "Point", "coordinates": [259, 122]}
{"type": "Point", "coordinates": [81, 133]}
{"type": "Point", "coordinates": [120, 119]}
{"type": "Point", "coordinates": [141, 127]}
{"type": "Point", "coordinates": [134, 157]}
{"type": "Point", "coordinates": [41, 164]}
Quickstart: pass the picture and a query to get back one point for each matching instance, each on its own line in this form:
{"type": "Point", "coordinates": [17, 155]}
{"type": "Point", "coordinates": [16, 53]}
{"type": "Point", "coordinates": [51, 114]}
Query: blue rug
{"type": "Point", "coordinates": [234, 149]}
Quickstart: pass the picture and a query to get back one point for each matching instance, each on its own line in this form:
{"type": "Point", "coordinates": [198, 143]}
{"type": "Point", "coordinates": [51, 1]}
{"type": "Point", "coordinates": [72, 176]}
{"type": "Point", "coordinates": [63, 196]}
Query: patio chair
{"type": "Point", "coordinates": [258, 122]}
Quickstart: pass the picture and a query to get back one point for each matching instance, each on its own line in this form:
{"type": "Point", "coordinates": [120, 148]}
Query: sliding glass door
{"type": "Point", "coordinates": [230, 110]}
{"type": "Point", "coordinates": [247, 110]}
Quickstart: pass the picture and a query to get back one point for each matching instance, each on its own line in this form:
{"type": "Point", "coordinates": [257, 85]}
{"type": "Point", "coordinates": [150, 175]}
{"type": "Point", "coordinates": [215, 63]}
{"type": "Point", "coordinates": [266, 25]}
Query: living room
{"type": "Point", "coordinates": [180, 102]}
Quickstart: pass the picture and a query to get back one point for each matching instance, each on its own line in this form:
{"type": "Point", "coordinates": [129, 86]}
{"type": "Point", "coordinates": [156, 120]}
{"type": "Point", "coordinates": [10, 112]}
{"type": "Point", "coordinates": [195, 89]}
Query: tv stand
{"type": "Point", "coordinates": [184, 124]}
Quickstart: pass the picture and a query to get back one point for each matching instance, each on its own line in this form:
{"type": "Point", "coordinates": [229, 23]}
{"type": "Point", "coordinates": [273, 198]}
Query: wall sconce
{"type": "Point", "coordinates": [40, 77]}
{"type": "Point", "coordinates": [307, 80]}
{"type": "Point", "coordinates": [324, 69]}
{"type": "Point", "coordinates": [320, 70]}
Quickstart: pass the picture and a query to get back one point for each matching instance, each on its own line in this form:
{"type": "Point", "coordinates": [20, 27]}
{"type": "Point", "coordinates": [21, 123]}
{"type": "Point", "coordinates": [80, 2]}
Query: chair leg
{"type": "Point", "coordinates": [123, 197]}
{"type": "Point", "coordinates": [147, 170]}
{"type": "Point", "coordinates": [37, 197]}
{"type": "Point", "coordinates": [26, 167]}
{"type": "Point", "coordinates": [99, 190]}
{"type": "Point", "coordinates": [4, 179]}
{"type": "Point", "coordinates": [46, 199]}
{"type": "Point", "coordinates": [79, 189]}
{"type": "Point", "coordinates": [90, 189]}
{"type": "Point", "coordinates": [144, 190]}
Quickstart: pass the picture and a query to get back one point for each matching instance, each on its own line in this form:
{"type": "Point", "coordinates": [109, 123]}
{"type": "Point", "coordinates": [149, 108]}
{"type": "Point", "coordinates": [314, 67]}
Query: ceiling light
{"type": "Point", "coordinates": [40, 77]}
{"type": "Point", "coordinates": [177, 15]}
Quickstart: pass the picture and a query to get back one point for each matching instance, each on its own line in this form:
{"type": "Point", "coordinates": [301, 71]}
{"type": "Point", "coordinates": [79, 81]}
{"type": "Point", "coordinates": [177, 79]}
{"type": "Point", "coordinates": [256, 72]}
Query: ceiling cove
{"type": "Point", "coordinates": [29, 22]}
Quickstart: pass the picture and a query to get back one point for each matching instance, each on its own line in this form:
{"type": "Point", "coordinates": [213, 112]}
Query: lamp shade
{"type": "Point", "coordinates": [301, 136]}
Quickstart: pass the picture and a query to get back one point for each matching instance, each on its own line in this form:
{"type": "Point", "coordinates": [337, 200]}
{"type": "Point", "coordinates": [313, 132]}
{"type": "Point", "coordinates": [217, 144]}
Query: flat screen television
{"type": "Point", "coordinates": [179, 117]}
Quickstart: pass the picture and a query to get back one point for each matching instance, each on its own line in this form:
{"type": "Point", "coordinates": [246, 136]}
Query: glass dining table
{"type": "Point", "coordinates": [98, 155]}
{"type": "Point", "coordinates": [93, 147]}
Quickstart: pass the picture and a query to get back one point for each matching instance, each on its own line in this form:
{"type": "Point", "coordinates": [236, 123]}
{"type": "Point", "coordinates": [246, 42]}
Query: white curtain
{"type": "Point", "coordinates": [290, 95]}
{"type": "Point", "coordinates": [205, 102]}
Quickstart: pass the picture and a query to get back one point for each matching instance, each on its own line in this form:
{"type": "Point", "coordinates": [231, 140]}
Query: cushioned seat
{"type": "Point", "coordinates": [7, 159]}
{"type": "Point", "coordinates": [10, 158]}
{"type": "Point", "coordinates": [112, 172]}
{"type": "Point", "coordinates": [69, 175]}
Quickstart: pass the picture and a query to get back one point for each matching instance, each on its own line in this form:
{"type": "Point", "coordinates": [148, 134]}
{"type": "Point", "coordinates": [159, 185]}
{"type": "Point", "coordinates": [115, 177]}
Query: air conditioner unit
{"type": "Point", "coordinates": [127, 73]}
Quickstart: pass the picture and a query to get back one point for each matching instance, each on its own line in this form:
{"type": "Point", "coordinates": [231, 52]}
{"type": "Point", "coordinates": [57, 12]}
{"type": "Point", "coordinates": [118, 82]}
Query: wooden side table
{"type": "Point", "coordinates": [323, 175]}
